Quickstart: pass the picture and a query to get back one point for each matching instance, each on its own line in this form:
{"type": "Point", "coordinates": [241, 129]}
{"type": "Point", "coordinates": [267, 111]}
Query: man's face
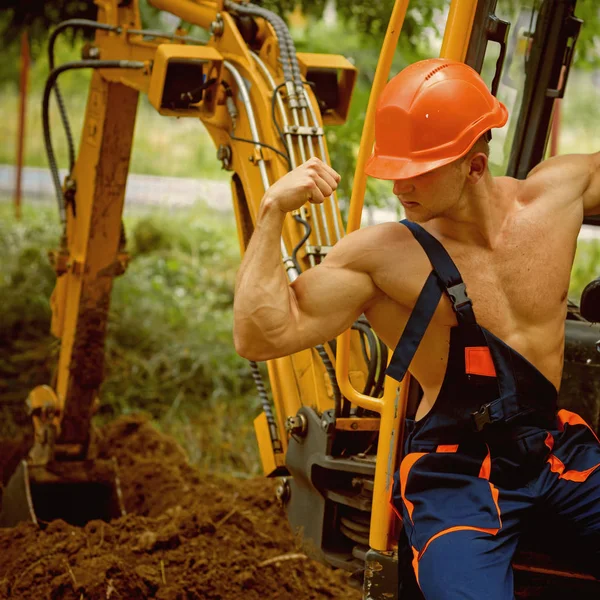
{"type": "Point", "coordinates": [432, 194]}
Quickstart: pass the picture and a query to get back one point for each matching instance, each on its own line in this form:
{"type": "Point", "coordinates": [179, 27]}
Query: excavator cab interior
{"type": "Point", "coordinates": [331, 424]}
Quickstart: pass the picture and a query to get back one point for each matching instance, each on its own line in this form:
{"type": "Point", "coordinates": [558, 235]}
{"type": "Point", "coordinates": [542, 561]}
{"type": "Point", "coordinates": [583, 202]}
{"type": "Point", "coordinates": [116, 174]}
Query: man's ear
{"type": "Point", "coordinates": [477, 167]}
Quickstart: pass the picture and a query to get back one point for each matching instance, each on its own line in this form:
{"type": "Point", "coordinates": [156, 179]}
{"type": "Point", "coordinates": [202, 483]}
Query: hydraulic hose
{"type": "Point", "coordinates": [50, 82]}
{"type": "Point", "coordinates": [337, 395]}
{"type": "Point", "coordinates": [287, 48]}
{"type": "Point", "coordinates": [85, 24]}
{"type": "Point", "coordinates": [307, 232]}
{"type": "Point", "coordinates": [372, 359]}
{"type": "Point", "coordinates": [266, 406]}
{"type": "Point", "coordinates": [383, 361]}
{"type": "Point", "coordinates": [95, 25]}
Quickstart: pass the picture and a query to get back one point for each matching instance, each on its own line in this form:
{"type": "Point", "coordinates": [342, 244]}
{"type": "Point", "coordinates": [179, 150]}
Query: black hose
{"type": "Point", "coordinates": [278, 152]}
{"type": "Point", "coordinates": [266, 406]}
{"type": "Point", "coordinates": [89, 24]}
{"type": "Point", "coordinates": [279, 131]}
{"type": "Point", "coordinates": [50, 82]}
{"type": "Point", "coordinates": [299, 245]}
{"type": "Point", "coordinates": [372, 359]}
{"type": "Point", "coordinates": [280, 31]}
{"type": "Point", "coordinates": [337, 395]}
{"type": "Point", "coordinates": [383, 359]}
{"type": "Point", "coordinates": [86, 24]}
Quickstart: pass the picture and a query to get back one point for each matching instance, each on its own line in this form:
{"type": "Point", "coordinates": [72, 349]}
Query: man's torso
{"type": "Point", "coordinates": [518, 288]}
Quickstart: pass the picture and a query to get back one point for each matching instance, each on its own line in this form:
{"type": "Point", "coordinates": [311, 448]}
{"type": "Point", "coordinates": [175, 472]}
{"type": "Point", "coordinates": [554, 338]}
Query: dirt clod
{"type": "Point", "coordinates": [187, 535]}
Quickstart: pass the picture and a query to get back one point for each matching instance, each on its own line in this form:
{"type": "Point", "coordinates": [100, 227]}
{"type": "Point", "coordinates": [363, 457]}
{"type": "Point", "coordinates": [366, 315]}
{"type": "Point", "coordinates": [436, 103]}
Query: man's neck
{"type": "Point", "coordinates": [479, 217]}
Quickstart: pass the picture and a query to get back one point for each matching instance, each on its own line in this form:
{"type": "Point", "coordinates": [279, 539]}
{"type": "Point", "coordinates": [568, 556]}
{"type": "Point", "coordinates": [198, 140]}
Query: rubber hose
{"type": "Point", "coordinates": [383, 359]}
{"type": "Point", "coordinates": [337, 395]}
{"type": "Point", "coordinates": [87, 24]}
{"type": "Point", "coordinates": [50, 82]}
{"type": "Point", "coordinates": [266, 405]}
{"type": "Point", "coordinates": [307, 232]}
{"type": "Point", "coordinates": [370, 383]}
{"type": "Point", "coordinates": [278, 25]}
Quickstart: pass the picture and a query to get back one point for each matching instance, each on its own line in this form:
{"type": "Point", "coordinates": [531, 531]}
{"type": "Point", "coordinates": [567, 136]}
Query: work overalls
{"type": "Point", "coordinates": [491, 448]}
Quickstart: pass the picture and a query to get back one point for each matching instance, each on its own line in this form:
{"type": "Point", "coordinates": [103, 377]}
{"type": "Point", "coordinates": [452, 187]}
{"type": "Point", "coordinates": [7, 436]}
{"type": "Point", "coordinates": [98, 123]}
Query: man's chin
{"type": "Point", "coordinates": [418, 215]}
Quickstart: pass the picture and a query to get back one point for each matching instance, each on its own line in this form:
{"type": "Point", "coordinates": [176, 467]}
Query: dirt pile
{"type": "Point", "coordinates": [187, 535]}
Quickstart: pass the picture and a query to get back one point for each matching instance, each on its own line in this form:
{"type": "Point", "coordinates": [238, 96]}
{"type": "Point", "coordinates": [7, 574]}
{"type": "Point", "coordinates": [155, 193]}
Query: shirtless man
{"type": "Point", "coordinates": [487, 442]}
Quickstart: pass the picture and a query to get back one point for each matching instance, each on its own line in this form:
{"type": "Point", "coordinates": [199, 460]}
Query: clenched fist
{"type": "Point", "coordinates": [312, 181]}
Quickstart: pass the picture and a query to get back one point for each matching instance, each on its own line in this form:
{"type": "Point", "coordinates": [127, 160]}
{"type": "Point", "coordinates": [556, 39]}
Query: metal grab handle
{"type": "Point", "coordinates": [342, 365]}
{"type": "Point", "coordinates": [572, 27]}
{"type": "Point", "coordinates": [497, 31]}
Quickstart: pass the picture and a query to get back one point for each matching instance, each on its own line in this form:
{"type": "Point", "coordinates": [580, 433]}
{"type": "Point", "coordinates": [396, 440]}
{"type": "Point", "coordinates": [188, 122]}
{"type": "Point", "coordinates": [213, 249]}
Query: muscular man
{"type": "Point", "coordinates": [487, 444]}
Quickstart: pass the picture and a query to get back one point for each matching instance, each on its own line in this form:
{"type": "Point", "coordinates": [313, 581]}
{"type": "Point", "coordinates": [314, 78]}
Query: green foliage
{"type": "Point", "coordinates": [169, 348]}
{"type": "Point", "coordinates": [27, 351]}
{"type": "Point", "coordinates": [587, 54]}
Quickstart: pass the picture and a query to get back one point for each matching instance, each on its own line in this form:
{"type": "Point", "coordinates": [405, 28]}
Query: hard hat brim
{"type": "Point", "coordinates": [393, 168]}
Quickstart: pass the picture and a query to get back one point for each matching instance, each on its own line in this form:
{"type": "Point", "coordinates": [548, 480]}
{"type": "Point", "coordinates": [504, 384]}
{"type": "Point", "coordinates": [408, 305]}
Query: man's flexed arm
{"type": "Point", "coordinates": [571, 177]}
{"type": "Point", "coordinates": [273, 318]}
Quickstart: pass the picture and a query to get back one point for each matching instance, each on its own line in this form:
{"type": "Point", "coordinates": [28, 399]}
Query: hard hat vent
{"type": "Point", "coordinates": [432, 73]}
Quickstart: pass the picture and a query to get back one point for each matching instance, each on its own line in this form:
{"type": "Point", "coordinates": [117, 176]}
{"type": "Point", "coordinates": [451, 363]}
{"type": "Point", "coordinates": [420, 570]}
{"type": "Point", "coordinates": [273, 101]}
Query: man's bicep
{"type": "Point", "coordinates": [326, 300]}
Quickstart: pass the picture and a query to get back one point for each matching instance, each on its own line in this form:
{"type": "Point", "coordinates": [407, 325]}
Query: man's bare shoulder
{"type": "Point", "coordinates": [367, 246]}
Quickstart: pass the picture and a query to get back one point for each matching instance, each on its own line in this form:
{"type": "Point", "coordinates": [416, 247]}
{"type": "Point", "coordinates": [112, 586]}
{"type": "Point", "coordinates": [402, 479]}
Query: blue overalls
{"type": "Point", "coordinates": [492, 448]}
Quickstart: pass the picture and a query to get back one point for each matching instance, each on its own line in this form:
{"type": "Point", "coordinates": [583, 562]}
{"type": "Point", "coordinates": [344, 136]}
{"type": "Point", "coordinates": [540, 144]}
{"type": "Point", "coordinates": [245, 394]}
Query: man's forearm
{"type": "Point", "coordinates": [261, 305]}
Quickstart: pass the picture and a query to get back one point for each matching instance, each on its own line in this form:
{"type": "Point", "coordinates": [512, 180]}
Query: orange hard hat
{"type": "Point", "coordinates": [429, 115]}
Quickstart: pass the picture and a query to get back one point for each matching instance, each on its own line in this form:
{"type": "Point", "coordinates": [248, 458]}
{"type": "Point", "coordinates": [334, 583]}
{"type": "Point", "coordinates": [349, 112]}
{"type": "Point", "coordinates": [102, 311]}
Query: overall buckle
{"type": "Point", "coordinates": [482, 417]}
{"type": "Point", "coordinates": [458, 295]}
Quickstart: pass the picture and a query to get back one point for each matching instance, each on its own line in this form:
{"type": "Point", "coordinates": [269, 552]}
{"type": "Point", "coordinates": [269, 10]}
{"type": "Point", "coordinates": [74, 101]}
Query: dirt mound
{"type": "Point", "coordinates": [187, 535]}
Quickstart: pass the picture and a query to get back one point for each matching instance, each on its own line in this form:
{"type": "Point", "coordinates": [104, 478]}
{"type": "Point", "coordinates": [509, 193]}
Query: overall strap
{"type": "Point", "coordinates": [444, 278]}
{"type": "Point", "coordinates": [447, 272]}
{"type": "Point", "coordinates": [415, 329]}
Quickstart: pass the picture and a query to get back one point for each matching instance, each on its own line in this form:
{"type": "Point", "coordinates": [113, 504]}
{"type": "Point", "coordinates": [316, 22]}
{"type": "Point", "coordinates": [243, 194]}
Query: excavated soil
{"type": "Point", "coordinates": [187, 535]}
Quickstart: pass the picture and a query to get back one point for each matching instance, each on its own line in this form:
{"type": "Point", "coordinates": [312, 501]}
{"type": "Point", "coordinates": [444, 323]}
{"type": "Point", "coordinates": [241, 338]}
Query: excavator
{"type": "Point", "coordinates": [331, 426]}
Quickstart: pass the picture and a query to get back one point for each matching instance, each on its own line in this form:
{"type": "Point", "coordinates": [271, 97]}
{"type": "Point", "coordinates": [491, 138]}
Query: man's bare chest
{"type": "Point", "coordinates": [523, 278]}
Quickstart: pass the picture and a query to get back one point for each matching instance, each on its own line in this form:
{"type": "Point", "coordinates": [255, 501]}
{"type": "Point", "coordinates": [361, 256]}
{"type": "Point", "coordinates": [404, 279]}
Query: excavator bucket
{"type": "Point", "coordinates": [76, 492]}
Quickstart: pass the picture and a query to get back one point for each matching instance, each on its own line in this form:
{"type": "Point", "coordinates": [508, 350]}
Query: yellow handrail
{"type": "Point", "coordinates": [458, 29]}
{"type": "Point", "coordinates": [358, 191]}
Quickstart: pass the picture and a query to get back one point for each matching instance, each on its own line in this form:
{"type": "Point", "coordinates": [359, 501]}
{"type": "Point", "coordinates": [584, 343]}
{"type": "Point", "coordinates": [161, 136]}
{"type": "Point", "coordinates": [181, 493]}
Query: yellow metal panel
{"type": "Point", "coordinates": [458, 29]}
{"type": "Point", "coordinates": [165, 54]}
{"type": "Point", "coordinates": [357, 424]}
{"type": "Point", "coordinates": [346, 76]}
{"type": "Point", "coordinates": [57, 302]}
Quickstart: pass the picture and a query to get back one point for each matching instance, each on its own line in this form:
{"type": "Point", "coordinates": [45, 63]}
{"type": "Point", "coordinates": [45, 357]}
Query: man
{"type": "Point", "coordinates": [487, 444]}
